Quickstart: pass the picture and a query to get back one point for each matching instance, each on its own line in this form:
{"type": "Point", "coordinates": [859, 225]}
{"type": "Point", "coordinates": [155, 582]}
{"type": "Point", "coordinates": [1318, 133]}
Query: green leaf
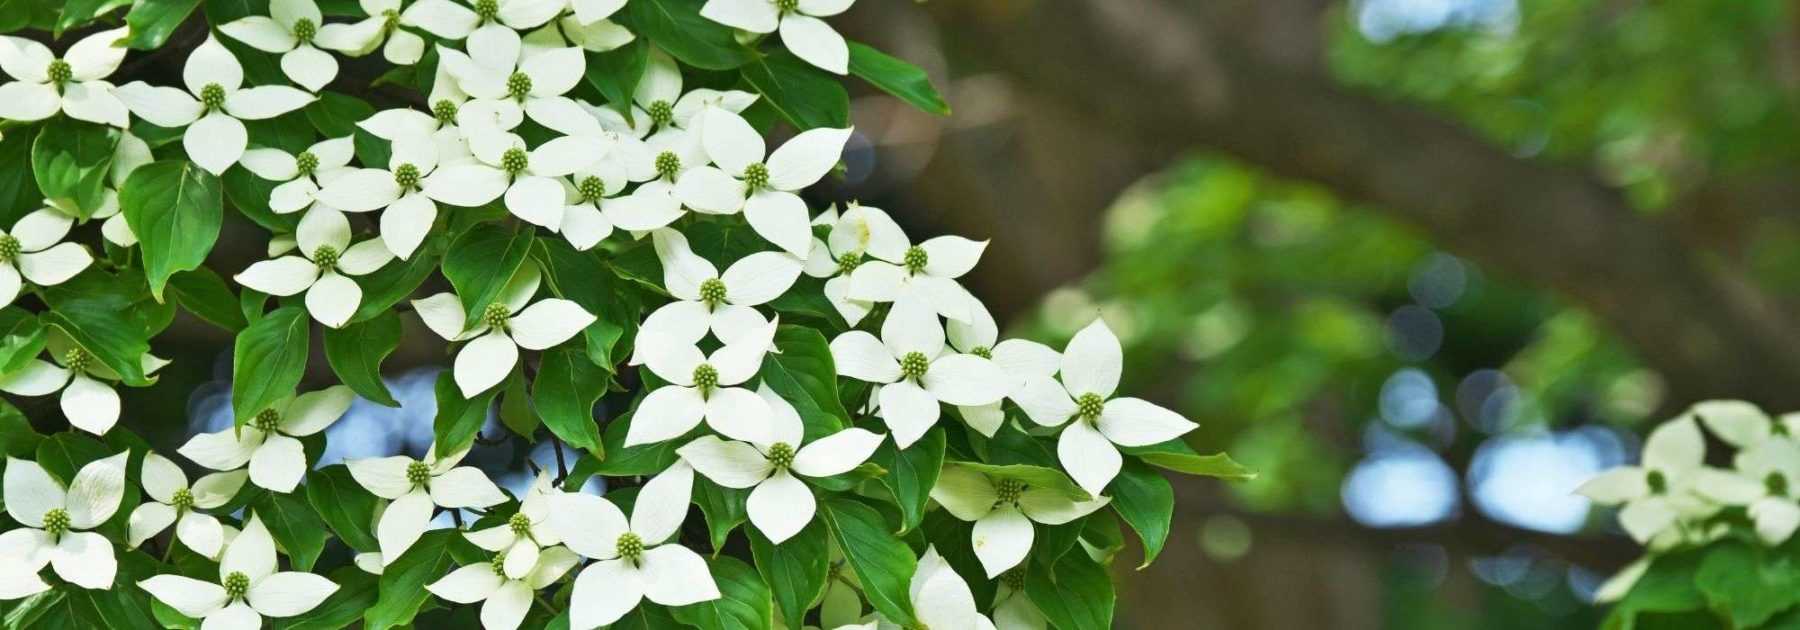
{"type": "Point", "coordinates": [403, 581]}
{"type": "Point", "coordinates": [335, 114]}
{"type": "Point", "coordinates": [17, 438]}
{"type": "Point", "coordinates": [293, 525]}
{"type": "Point", "coordinates": [795, 570]}
{"type": "Point", "coordinates": [883, 563]}
{"type": "Point", "coordinates": [249, 194]}
{"type": "Point", "coordinates": [1177, 456]}
{"type": "Point", "coordinates": [482, 261]}
{"type": "Point", "coordinates": [1667, 586]}
{"type": "Point", "coordinates": [615, 73]}
{"type": "Point", "coordinates": [623, 461]}
{"type": "Point", "coordinates": [676, 27]}
{"type": "Point", "coordinates": [911, 473]}
{"type": "Point", "coordinates": [152, 21]}
{"type": "Point", "coordinates": [1077, 596]}
{"type": "Point", "coordinates": [1034, 476]}
{"type": "Point", "coordinates": [268, 361]}
{"type": "Point", "coordinates": [96, 312]}
{"type": "Point", "coordinates": [75, 13]}
{"type": "Point", "coordinates": [71, 160]}
{"type": "Point", "coordinates": [19, 192]}
{"type": "Point", "coordinates": [22, 337]}
{"type": "Point", "coordinates": [724, 509]}
{"type": "Point", "coordinates": [64, 453]}
{"type": "Point", "coordinates": [357, 350]}
{"type": "Point", "coordinates": [897, 77]}
{"type": "Point", "coordinates": [583, 278]}
{"type": "Point", "coordinates": [344, 505]}
{"type": "Point", "coordinates": [203, 293]}
{"type": "Point", "coordinates": [1147, 502]}
{"type": "Point", "coordinates": [743, 603]}
{"type": "Point", "coordinates": [397, 280]}
{"type": "Point", "coordinates": [175, 208]}
{"type": "Point", "coordinates": [566, 387]}
{"type": "Point", "coordinates": [458, 418]}
{"type": "Point", "coordinates": [804, 95]}
{"type": "Point", "coordinates": [515, 406]}
{"type": "Point", "coordinates": [805, 375]}
{"type": "Point", "coordinates": [1749, 582]}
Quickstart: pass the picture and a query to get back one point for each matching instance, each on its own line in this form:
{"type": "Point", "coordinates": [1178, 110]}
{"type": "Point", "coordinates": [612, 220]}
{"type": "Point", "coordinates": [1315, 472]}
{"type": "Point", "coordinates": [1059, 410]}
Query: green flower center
{"type": "Point", "coordinates": [1013, 579]}
{"type": "Point", "coordinates": [76, 359]}
{"type": "Point", "coordinates": [1008, 491]}
{"type": "Point", "coordinates": [56, 522]}
{"type": "Point", "coordinates": [983, 352]}
{"type": "Point", "coordinates": [390, 20]}
{"type": "Point", "coordinates": [518, 85]}
{"type": "Point", "coordinates": [519, 524]}
{"type": "Point", "coordinates": [499, 564]}
{"type": "Point", "coordinates": [417, 473]}
{"type": "Point", "coordinates": [706, 377]}
{"type": "Point", "coordinates": [849, 263]}
{"type": "Point", "coordinates": [60, 72]}
{"type": "Point", "coordinates": [514, 161]}
{"type": "Point", "coordinates": [667, 164]}
{"type": "Point", "coordinates": [1089, 405]}
{"type": "Point", "coordinates": [9, 247]}
{"type": "Point", "coordinates": [915, 259]}
{"type": "Point", "coordinates": [712, 292]}
{"type": "Point", "coordinates": [444, 111]}
{"type": "Point", "coordinates": [212, 96]}
{"type": "Point", "coordinates": [487, 9]}
{"type": "Point", "coordinates": [495, 315]}
{"type": "Point", "coordinates": [630, 546]}
{"type": "Point", "coordinates": [1777, 484]}
{"type": "Point", "coordinates": [183, 499]}
{"type": "Point", "coordinates": [756, 176]}
{"type": "Point", "coordinates": [781, 455]}
{"type": "Point", "coordinates": [266, 420]}
{"type": "Point", "coordinates": [662, 113]}
{"type": "Point", "coordinates": [914, 365]}
{"type": "Point", "coordinates": [304, 30]}
{"type": "Point", "coordinates": [1658, 483]}
{"type": "Point", "coordinates": [406, 176]}
{"type": "Point", "coordinates": [236, 585]}
{"type": "Point", "coordinates": [326, 257]}
{"type": "Point", "coordinates": [591, 188]}
{"type": "Point", "coordinates": [306, 162]}
{"type": "Point", "coordinates": [787, 6]}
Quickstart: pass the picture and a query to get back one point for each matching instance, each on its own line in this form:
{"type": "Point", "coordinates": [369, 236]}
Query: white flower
{"type": "Point", "coordinates": [705, 300]}
{"type": "Point", "coordinates": [524, 535]}
{"type": "Point", "coordinates": [277, 460]}
{"type": "Point", "coordinates": [505, 327]}
{"type": "Point", "coordinates": [701, 386]}
{"type": "Point", "coordinates": [215, 101]}
{"type": "Point", "coordinates": [1090, 372]}
{"type": "Point", "coordinates": [288, 30]}
{"type": "Point", "coordinates": [927, 271]}
{"type": "Point", "coordinates": [780, 505]}
{"type": "Point", "coordinates": [505, 600]}
{"type": "Point", "coordinates": [487, 23]}
{"type": "Point", "coordinates": [841, 252]}
{"type": "Point", "coordinates": [599, 36]}
{"type": "Point", "coordinates": [131, 153]}
{"type": "Point", "coordinates": [634, 560]}
{"type": "Point", "coordinates": [659, 103]}
{"type": "Point", "coordinates": [915, 373]}
{"type": "Point", "coordinates": [54, 522]}
{"type": "Point", "coordinates": [302, 175]}
{"type": "Point", "coordinates": [1657, 493]}
{"type": "Point", "coordinates": [763, 190]}
{"type": "Point", "coordinates": [1003, 511]}
{"type": "Point", "coordinates": [360, 38]}
{"type": "Point", "coordinates": [175, 502]}
{"type": "Point", "coordinates": [584, 223]}
{"type": "Point", "coordinates": [503, 70]}
{"type": "Point", "coordinates": [529, 178]}
{"type": "Point", "coordinates": [1615, 587]}
{"type": "Point", "coordinates": [88, 400]}
{"type": "Point", "coordinates": [1764, 481]}
{"type": "Point", "coordinates": [422, 169]}
{"type": "Point", "coordinates": [1741, 424]}
{"type": "Point", "coordinates": [1020, 359]}
{"type": "Point", "coordinates": [249, 586]}
{"type": "Point", "coordinates": [416, 487]}
{"type": "Point", "coordinates": [72, 85]}
{"type": "Point", "coordinates": [804, 34]}
{"type": "Point", "coordinates": [675, 153]}
{"type": "Point", "coordinates": [32, 249]}
{"type": "Point", "coordinates": [322, 269]}
{"type": "Point", "coordinates": [940, 597]}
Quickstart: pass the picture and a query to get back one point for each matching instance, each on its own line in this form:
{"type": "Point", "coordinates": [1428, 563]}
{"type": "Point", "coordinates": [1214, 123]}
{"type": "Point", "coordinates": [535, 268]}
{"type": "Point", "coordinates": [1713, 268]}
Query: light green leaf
{"type": "Point", "coordinates": [403, 581]}
{"type": "Point", "coordinates": [743, 603]}
{"type": "Point", "coordinates": [268, 361]}
{"type": "Point", "coordinates": [152, 21]}
{"type": "Point", "coordinates": [175, 208]}
{"type": "Point", "coordinates": [897, 77]}
{"type": "Point", "coordinates": [357, 350]}
{"type": "Point", "coordinates": [1034, 476]}
{"type": "Point", "coordinates": [1177, 456]}
{"type": "Point", "coordinates": [22, 337]}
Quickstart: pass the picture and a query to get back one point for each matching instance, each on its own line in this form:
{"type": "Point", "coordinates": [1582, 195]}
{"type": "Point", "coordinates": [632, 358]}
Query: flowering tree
{"type": "Point", "coordinates": [591, 181]}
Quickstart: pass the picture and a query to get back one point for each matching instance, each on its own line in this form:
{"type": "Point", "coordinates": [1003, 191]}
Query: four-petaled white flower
{"type": "Point", "coordinates": [1763, 482]}
{"type": "Point", "coordinates": [505, 326]}
{"type": "Point", "coordinates": [706, 300]}
{"type": "Point", "coordinates": [926, 271]}
{"type": "Point", "coordinates": [303, 175]}
{"type": "Point", "coordinates": [503, 71]}
{"type": "Point", "coordinates": [804, 34]}
{"type": "Point", "coordinates": [1090, 373]}
{"type": "Point", "coordinates": [249, 587]}
{"type": "Point", "coordinates": [525, 534]}
{"type": "Point", "coordinates": [422, 169]}
{"type": "Point", "coordinates": [701, 386]}
{"type": "Point", "coordinates": [1018, 358]}
{"type": "Point", "coordinates": [175, 502]}
{"type": "Point", "coordinates": [837, 255]}
{"type": "Point", "coordinates": [288, 30]}
{"type": "Point", "coordinates": [416, 487]}
{"type": "Point", "coordinates": [32, 249]}
{"type": "Point", "coordinates": [267, 442]}
{"type": "Point", "coordinates": [505, 599]}
{"type": "Point", "coordinates": [55, 521]}
{"type": "Point", "coordinates": [674, 154]}
{"type": "Point", "coordinates": [634, 560]}
{"type": "Point", "coordinates": [213, 106]}
{"type": "Point", "coordinates": [1003, 510]}
{"type": "Point", "coordinates": [1658, 492]}
{"type": "Point", "coordinates": [356, 39]}
{"type": "Point", "coordinates": [940, 597]}
{"type": "Point", "coordinates": [529, 179]}
{"type": "Point", "coordinates": [915, 373]}
{"type": "Point", "coordinates": [488, 23]}
{"type": "Point", "coordinates": [323, 268]}
{"type": "Point", "coordinates": [780, 505]}
{"type": "Point", "coordinates": [763, 190]}
{"type": "Point", "coordinates": [74, 85]}
{"type": "Point", "coordinates": [88, 399]}
{"type": "Point", "coordinates": [1743, 425]}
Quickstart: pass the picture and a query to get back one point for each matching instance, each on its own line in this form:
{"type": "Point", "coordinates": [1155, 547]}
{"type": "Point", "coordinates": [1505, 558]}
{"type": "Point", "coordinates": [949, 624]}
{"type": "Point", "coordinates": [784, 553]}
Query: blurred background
{"type": "Point", "coordinates": [1425, 265]}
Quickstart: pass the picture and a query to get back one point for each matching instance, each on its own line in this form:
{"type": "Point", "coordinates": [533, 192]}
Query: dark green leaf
{"type": "Point", "coordinates": [335, 115]}
{"type": "Point", "coordinates": [615, 73]}
{"type": "Point", "coordinates": [96, 311]}
{"type": "Point", "coordinates": [804, 95]}
{"type": "Point", "coordinates": [403, 581]}
{"type": "Point", "coordinates": [357, 350]}
{"type": "Point", "coordinates": [458, 418]}
{"type": "Point", "coordinates": [1177, 456]}
{"type": "Point", "coordinates": [516, 411]}
{"type": "Point", "coordinates": [17, 438]}
{"type": "Point", "coordinates": [293, 525]}
{"type": "Point", "coordinates": [883, 563]}
{"type": "Point", "coordinates": [203, 293]}
{"type": "Point", "coordinates": [795, 570]}
{"type": "Point", "coordinates": [1033, 476]}
{"type": "Point", "coordinates": [565, 389]}
{"type": "Point", "coordinates": [268, 361]}
{"type": "Point", "coordinates": [482, 261]}
{"type": "Point", "coordinates": [723, 507]}
{"type": "Point", "coordinates": [805, 375]}
{"type": "Point", "coordinates": [743, 603]}
{"type": "Point", "coordinates": [344, 505]}
{"type": "Point", "coordinates": [152, 21]}
{"type": "Point", "coordinates": [249, 194]}
{"type": "Point", "coordinates": [19, 192]}
{"type": "Point", "coordinates": [899, 78]}
{"type": "Point", "coordinates": [583, 278]}
{"type": "Point", "coordinates": [911, 473]}
{"type": "Point", "coordinates": [397, 280]}
{"type": "Point", "coordinates": [22, 337]}
{"type": "Point", "coordinates": [1750, 583]}
{"type": "Point", "coordinates": [71, 160]}
{"type": "Point", "coordinates": [356, 592]}
{"type": "Point", "coordinates": [1147, 502]}
{"type": "Point", "coordinates": [1077, 596]}
{"type": "Point", "coordinates": [175, 208]}
{"type": "Point", "coordinates": [676, 27]}
{"type": "Point", "coordinates": [623, 461]}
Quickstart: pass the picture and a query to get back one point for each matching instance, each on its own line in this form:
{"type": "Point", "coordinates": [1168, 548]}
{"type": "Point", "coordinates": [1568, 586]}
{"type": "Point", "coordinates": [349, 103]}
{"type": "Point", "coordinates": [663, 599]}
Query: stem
{"type": "Point", "coordinates": [562, 468]}
{"type": "Point", "coordinates": [456, 517]}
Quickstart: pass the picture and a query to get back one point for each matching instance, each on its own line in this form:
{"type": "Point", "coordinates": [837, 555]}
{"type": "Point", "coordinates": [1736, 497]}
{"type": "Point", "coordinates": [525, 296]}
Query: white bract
{"type": "Point", "coordinates": [173, 501]}
{"type": "Point", "coordinates": [504, 327]}
{"type": "Point", "coordinates": [654, 204]}
{"type": "Point", "coordinates": [1020, 359]}
{"type": "Point", "coordinates": [503, 71]}
{"type": "Point", "coordinates": [701, 386]}
{"type": "Point", "coordinates": [1656, 494]}
{"type": "Point", "coordinates": [88, 399]}
{"type": "Point", "coordinates": [841, 252]}
{"type": "Point", "coordinates": [55, 521]}
{"type": "Point", "coordinates": [488, 22]}
{"type": "Point", "coordinates": [505, 600]}
{"type": "Point", "coordinates": [940, 597]}
{"type": "Point", "coordinates": [525, 534]}
{"type": "Point", "coordinates": [356, 39]}
{"type": "Point", "coordinates": [804, 34]}
{"type": "Point", "coordinates": [423, 168]}
{"type": "Point", "coordinates": [288, 30]}
{"type": "Point", "coordinates": [1763, 483]}
{"type": "Point", "coordinates": [32, 249]}
{"type": "Point", "coordinates": [707, 301]}
{"type": "Point", "coordinates": [927, 271]}
{"type": "Point", "coordinates": [74, 84]}
{"type": "Point", "coordinates": [249, 586]}
{"type": "Point", "coordinates": [781, 504]}
{"type": "Point", "coordinates": [1003, 510]}
{"type": "Point", "coordinates": [267, 442]}
{"type": "Point", "coordinates": [417, 487]}
{"type": "Point", "coordinates": [634, 560]}
{"type": "Point", "coordinates": [915, 372]}
{"type": "Point", "coordinates": [1088, 448]}
{"type": "Point", "coordinates": [529, 178]}
{"type": "Point", "coordinates": [213, 106]}
{"type": "Point", "coordinates": [764, 191]}
{"type": "Point", "coordinates": [323, 269]}
{"type": "Point", "coordinates": [303, 175]}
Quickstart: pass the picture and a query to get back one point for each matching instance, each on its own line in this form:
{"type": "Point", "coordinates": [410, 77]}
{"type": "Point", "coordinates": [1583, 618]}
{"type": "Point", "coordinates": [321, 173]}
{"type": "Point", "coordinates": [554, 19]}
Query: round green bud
{"type": "Point", "coordinates": [591, 188]}
{"type": "Point", "coordinates": [326, 258]}
{"type": "Point", "coordinates": [417, 473]}
{"type": "Point", "coordinates": [406, 176]}
{"type": "Point", "coordinates": [662, 113]}
{"type": "Point", "coordinates": [915, 259]}
{"type": "Point", "coordinates": [756, 176]}
{"type": "Point", "coordinates": [9, 247]}
{"type": "Point", "coordinates": [444, 111]}
{"type": "Point", "coordinates": [520, 525]}
{"type": "Point", "coordinates": [236, 585]}
{"type": "Point", "coordinates": [306, 162]}
{"type": "Point", "coordinates": [518, 85]}
{"type": "Point", "coordinates": [266, 420]}
{"type": "Point", "coordinates": [712, 291]}
{"type": "Point", "coordinates": [77, 360]}
{"type": "Point", "coordinates": [59, 72]}
{"type": "Point", "coordinates": [706, 377]}
{"type": "Point", "coordinates": [212, 95]}
{"type": "Point", "coordinates": [305, 30]}
{"type": "Point", "coordinates": [496, 315]}
{"type": "Point", "coordinates": [514, 161]}
{"type": "Point", "coordinates": [913, 365]}
{"type": "Point", "coordinates": [487, 10]}
{"type": "Point", "coordinates": [182, 500]}
{"type": "Point", "coordinates": [781, 455]}
{"type": "Point", "coordinates": [630, 546]}
{"type": "Point", "coordinates": [56, 522]}
{"type": "Point", "coordinates": [1089, 405]}
{"type": "Point", "coordinates": [668, 165]}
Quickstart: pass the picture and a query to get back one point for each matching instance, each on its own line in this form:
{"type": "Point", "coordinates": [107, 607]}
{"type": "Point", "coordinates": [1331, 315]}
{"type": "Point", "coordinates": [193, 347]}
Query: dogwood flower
{"type": "Point", "coordinates": [288, 30]}
{"type": "Point", "coordinates": [841, 252]}
{"type": "Point", "coordinates": [1741, 424]}
{"type": "Point", "coordinates": [175, 502]}
{"type": "Point", "coordinates": [701, 386]}
{"type": "Point", "coordinates": [501, 68]}
{"type": "Point", "coordinates": [504, 600]}
{"type": "Point", "coordinates": [915, 373]}
{"type": "Point", "coordinates": [927, 271]}
{"type": "Point", "coordinates": [763, 190]}
{"type": "Point", "coordinates": [1764, 482]}
{"type": "Point", "coordinates": [524, 534]}
{"type": "Point", "coordinates": [584, 222]}
{"type": "Point", "coordinates": [1657, 493]}
{"type": "Point", "coordinates": [422, 169]}
{"type": "Point", "coordinates": [780, 505]}
{"type": "Point", "coordinates": [267, 443]}
{"type": "Point", "coordinates": [303, 175]}
{"type": "Point", "coordinates": [249, 587]}
{"type": "Point", "coordinates": [804, 34]}
{"type": "Point", "coordinates": [215, 102]}
{"type": "Point", "coordinates": [323, 268]}
{"type": "Point", "coordinates": [940, 597]}
{"type": "Point", "coordinates": [416, 487]}
{"type": "Point", "coordinates": [505, 327]}
{"type": "Point", "coordinates": [1003, 510]}
{"type": "Point", "coordinates": [1090, 372]}
{"type": "Point", "coordinates": [55, 520]}
{"type": "Point", "coordinates": [130, 153]}
{"type": "Point", "coordinates": [634, 560]}
{"type": "Point", "coordinates": [488, 22]}
{"type": "Point", "coordinates": [88, 399]}
{"type": "Point", "coordinates": [1018, 358]}
{"type": "Point", "coordinates": [724, 304]}
{"type": "Point", "coordinates": [658, 101]}
{"type": "Point", "coordinates": [654, 203]}
{"type": "Point", "coordinates": [32, 249]}
{"type": "Point", "coordinates": [529, 177]}
{"type": "Point", "coordinates": [403, 48]}
{"type": "Point", "coordinates": [74, 84]}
